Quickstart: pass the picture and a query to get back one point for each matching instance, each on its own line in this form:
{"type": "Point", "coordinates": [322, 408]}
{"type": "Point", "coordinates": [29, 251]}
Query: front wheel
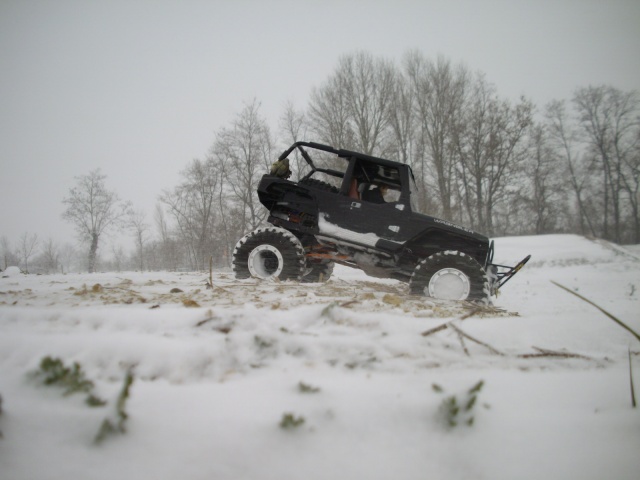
{"type": "Point", "coordinates": [451, 275]}
{"type": "Point", "coordinates": [267, 253]}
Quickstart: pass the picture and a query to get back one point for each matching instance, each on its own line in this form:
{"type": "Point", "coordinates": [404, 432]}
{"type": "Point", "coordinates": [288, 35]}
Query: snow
{"type": "Point", "coordinates": [334, 231]}
{"type": "Point", "coordinates": [216, 370]}
{"type": "Point", "coordinates": [10, 272]}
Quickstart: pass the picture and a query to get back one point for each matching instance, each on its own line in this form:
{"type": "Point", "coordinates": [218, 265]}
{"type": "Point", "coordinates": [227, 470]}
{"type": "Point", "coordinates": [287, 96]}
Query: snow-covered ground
{"type": "Point", "coordinates": [219, 371]}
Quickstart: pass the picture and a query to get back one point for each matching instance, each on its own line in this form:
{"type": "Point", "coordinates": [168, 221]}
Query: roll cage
{"type": "Point", "coordinates": [366, 169]}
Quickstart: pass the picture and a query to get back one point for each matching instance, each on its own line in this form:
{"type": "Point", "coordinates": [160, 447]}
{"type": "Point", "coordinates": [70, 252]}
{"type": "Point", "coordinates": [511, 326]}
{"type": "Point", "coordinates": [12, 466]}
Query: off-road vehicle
{"type": "Point", "coordinates": [359, 210]}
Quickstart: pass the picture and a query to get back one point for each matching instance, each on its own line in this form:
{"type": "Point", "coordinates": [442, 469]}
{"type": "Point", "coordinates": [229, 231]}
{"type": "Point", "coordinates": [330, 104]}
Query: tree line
{"type": "Point", "coordinates": [498, 166]}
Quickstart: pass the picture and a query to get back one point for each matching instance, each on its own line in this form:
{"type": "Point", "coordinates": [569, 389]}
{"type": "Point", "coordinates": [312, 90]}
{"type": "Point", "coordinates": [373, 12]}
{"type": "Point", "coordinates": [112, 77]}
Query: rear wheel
{"type": "Point", "coordinates": [267, 253]}
{"type": "Point", "coordinates": [451, 275]}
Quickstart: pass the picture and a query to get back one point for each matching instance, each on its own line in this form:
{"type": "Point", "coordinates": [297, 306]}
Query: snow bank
{"type": "Point", "coordinates": [10, 272]}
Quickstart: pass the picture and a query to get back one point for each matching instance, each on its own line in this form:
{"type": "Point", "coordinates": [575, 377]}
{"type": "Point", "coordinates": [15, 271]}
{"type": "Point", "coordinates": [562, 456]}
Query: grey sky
{"type": "Point", "coordinates": [139, 88]}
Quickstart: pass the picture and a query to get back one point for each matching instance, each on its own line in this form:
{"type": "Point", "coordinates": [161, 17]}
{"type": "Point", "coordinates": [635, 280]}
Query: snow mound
{"type": "Point", "coordinates": [560, 250]}
{"type": "Point", "coordinates": [10, 272]}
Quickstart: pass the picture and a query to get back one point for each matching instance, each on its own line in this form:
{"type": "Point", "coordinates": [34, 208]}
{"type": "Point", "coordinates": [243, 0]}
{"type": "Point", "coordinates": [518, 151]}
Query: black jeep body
{"type": "Point", "coordinates": [359, 210]}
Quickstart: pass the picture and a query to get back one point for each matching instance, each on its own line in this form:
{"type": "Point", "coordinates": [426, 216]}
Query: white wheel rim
{"type": "Point", "coordinates": [449, 284]}
{"type": "Point", "coordinates": [265, 261]}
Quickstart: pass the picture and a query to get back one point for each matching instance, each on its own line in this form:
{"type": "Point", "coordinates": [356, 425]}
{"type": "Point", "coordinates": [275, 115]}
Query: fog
{"type": "Point", "coordinates": [139, 88]}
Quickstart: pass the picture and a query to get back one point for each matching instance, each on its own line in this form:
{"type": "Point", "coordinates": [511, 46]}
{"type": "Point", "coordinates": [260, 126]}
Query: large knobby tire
{"type": "Point", "coordinates": [318, 271]}
{"type": "Point", "coordinates": [451, 275]}
{"type": "Point", "coordinates": [269, 253]}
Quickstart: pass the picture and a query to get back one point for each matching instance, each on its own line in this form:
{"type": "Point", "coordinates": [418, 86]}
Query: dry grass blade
{"type": "Point", "coordinates": [462, 334]}
{"type": "Point", "coordinates": [433, 330]}
{"type": "Point", "coordinates": [543, 352]}
{"type": "Point", "coordinates": [612, 317]}
{"type": "Point", "coordinates": [349, 303]}
{"type": "Point", "coordinates": [439, 328]}
{"type": "Point", "coordinates": [633, 391]}
{"type": "Point", "coordinates": [471, 313]}
{"type": "Point", "coordinates": [206, 320]}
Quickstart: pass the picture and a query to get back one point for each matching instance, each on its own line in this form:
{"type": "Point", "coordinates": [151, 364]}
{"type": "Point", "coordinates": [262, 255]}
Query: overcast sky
{"type": "Point", "coordinates": [139, 88]}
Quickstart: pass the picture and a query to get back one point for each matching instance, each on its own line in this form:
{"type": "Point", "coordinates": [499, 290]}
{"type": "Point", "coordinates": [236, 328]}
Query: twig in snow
{"type": "Point", "coordinates": [210, 282]}
{"type": "Point", "coordinates": [349, 303]}
{"type": "Point", "coordinates": [464, 334]}
{"type": "Point", "coordinates": [471, 313]}
{"type": "Point", "coordinates": [543, 352]}
{"type": "Point", "coordinates": [210, 317]}
{"type": "Point", "coordinates": [439, 328]}
{"type": "Point", "coordinates": [460, 337]}
{"type": "Point", "coordinates": [217, 287]}
{"type": "Point", "coordinates": [206, 320]}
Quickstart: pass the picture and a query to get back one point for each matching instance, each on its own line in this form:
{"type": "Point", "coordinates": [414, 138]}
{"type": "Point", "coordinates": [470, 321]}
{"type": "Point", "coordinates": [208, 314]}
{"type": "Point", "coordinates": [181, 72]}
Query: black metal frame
{"type": "Point", "coordinates": [508, 272]}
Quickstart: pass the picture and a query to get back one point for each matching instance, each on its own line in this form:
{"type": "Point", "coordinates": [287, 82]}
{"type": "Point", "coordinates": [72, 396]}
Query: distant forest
{"type": "Point", "coordinates": [500, 167]}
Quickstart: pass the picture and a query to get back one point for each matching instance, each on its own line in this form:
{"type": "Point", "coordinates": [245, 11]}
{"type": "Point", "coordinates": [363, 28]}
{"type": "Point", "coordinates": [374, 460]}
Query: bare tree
{"type": "Point", "coordinates": [118, 257]}
{"type": "Point", "coordinates": [369, 84]}
{"type": "Point", "coordinates": [401, 120]}
{"type": "Point", "coordinates": [229, 230]}
{"type": "Point", "coordinates": [26, 248]}
{"type": "Point", "coordinates": [192, 205]}
{"type": "Point", "coordinates": [167, 251]}
{"type": "Point", "coordinates": [94, 210]}
{"type": "Point", "coordinates": [352, 109]}
{"type": "Point", "coordinates": [439, 90]}
{"type": "Point", "coordinates": [329, 114]}
{"type": "Point", "coordinates": [171, 250]}
{"type": "Point", "coordinates": [293, 127]}
{"type": "Point", "coordinates": [140, 228]}
{"type": "Point", "coordinates": [50, 256]}
{"type": "Point", "coordinates": [8, 257]}
{"type": "Point", "coordinates": [609, 120]}
{"type": "Point", "coordinates": [543, 192]}
{"type": "Point", "coordinates": [564, 138]}
{"type": "Point", "coordinates": [632, 185]}
{"type": "Point", "coordinates": [490, 149]}
{"type": "Point", "coordinates": [161, 223]}
{"type": "Point", "coordinates": [67, 257]}
{"type": "Point", "coordinates": [245, 152]}
{"type": "Point", "coordinates": [217, 201]}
